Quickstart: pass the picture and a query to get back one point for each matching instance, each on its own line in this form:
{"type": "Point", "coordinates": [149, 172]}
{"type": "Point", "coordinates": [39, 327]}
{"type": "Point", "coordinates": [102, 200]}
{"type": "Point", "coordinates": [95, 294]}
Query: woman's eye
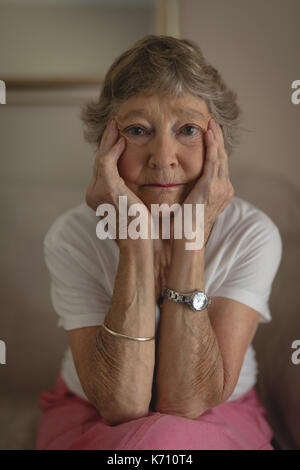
{"type": "Point", "coordinates": [195, 130]}
{"type": "Point", "coordinates": [136, 130]}
{"type": "Point", "coordinates": [188, 130]}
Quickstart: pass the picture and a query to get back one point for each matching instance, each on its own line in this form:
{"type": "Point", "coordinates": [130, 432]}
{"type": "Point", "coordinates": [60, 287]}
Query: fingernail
{"type": "Point", "coordinates": [110, 124]}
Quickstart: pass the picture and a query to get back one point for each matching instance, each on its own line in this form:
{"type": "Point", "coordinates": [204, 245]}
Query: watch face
{"type": "Point", "coordinates": [199, 301]}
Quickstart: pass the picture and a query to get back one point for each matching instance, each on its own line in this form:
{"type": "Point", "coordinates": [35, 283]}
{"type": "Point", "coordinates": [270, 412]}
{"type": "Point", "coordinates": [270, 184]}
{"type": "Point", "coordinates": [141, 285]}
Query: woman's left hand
{"type": "Point", "coordinates": [213, 188]}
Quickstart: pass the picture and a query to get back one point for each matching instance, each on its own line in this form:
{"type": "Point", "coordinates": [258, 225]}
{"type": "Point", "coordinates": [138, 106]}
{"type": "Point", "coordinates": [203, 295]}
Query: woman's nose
{"type": "Point", "coordinates": [163, 152]}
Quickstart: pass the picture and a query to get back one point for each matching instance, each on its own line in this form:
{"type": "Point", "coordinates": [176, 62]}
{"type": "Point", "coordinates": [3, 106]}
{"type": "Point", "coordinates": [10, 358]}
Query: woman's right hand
{"type": "Point", "coordinates": [106, 184]}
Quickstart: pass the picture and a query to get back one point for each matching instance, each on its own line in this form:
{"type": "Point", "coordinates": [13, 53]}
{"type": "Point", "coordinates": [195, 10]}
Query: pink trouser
{"type": "Point", "coordinates": [69, 422]}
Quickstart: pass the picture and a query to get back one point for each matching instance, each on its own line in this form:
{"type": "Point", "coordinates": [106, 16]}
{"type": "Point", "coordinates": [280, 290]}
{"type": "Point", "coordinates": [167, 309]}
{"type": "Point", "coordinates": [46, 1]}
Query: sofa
{"type": "Point", "coordinates": [34, 344]}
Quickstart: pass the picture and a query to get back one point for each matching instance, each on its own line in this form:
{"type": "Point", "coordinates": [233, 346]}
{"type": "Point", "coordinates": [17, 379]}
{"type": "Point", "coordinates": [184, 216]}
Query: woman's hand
{"type": "Point", "coordinates": [213, 188]}
{"type": "Point", "coordinates": [162, 254]}
{"type": "Point", "coordinates": [106, 184]}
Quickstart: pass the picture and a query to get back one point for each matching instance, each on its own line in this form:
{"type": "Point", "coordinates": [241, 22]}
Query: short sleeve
{"type": "Point", "coordinates": [77, 293]}
{"type": "Point", "coordinates": [252, 273]}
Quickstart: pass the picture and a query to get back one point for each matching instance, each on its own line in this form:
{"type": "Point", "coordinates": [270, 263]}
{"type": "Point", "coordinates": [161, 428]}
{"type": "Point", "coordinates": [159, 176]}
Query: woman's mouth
{"type": "Point", "coordinates": [164, 185]}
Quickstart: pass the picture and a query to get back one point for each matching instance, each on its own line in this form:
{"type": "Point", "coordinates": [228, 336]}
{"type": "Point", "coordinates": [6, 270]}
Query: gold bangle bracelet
{"type": "Point", "coordinates": [125, 336]}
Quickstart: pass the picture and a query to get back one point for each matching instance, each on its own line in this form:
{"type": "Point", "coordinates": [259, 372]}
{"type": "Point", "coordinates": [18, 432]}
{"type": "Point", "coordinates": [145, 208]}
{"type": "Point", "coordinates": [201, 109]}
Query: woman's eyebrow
{"type": "Point", "coordinates": [133, 113]}
{"type": "Point", "coordinates": [189, 112]}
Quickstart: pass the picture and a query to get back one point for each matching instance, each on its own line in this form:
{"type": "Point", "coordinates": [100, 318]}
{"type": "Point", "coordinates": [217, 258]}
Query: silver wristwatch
{"type": "Point", "coordinates": [196, 300]}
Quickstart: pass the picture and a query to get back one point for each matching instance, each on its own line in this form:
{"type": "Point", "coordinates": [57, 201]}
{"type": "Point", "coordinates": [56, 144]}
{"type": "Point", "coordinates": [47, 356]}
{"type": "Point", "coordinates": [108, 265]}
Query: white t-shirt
{"type": "Point", "coordinates": [242, 257]}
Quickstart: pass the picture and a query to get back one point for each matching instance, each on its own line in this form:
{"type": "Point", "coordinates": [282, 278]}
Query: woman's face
{"type": "Point", "coordinates": [164, 145]}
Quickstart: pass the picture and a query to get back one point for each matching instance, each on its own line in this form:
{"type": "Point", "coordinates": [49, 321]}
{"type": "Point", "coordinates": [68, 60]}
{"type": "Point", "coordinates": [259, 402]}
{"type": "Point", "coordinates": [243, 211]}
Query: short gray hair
{"type": "Point", "coordinates": [167, 65]}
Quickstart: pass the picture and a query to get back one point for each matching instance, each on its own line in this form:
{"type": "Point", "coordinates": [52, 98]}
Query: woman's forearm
{"type": "Point", "coordinates": [189, 374]}
{"type": "Point", "coordinates": [123, 367]}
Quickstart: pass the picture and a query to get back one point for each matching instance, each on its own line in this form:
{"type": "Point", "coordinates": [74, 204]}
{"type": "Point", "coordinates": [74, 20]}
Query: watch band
{"type": "Point", "coordinates": [184, 297]}
{"type": "Point", "coordinates": [176, 296]}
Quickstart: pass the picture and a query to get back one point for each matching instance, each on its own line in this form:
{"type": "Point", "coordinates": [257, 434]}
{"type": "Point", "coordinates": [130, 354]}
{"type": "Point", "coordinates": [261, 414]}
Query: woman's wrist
{"type": "Point", "coordinates": [186, 271]}
{"type": "Point", "coordinates": [130, 246]}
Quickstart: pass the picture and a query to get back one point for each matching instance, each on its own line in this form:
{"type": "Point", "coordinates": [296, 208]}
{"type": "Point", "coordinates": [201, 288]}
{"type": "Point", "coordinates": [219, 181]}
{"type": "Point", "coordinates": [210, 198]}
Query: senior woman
{"type": "Point", "coordinates": [146, 368]}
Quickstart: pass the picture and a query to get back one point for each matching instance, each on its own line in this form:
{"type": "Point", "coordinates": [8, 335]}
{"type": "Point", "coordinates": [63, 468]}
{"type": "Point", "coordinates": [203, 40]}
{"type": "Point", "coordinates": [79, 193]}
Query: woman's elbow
{"type": "Point", "coordinates": [117, 415]}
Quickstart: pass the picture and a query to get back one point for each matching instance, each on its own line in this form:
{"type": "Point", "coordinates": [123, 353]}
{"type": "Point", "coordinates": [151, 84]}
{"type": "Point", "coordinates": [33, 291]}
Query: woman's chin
{"type": "Point", "coordinates": [156, 195]}
{"type": "Point", "coordinates": [162, 199]}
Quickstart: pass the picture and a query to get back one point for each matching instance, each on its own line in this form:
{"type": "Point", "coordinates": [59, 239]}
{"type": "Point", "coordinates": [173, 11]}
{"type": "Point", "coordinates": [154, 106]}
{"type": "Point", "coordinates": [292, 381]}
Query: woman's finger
{"type": "Point", "coordinates": [213, 127]}
{"type": "Point", "coordinates": [108, 135]}
{"type": "Point", "coordinates": [223, 170]}
{"type": "Point", "coordinates": [109, 138]}
{"type": "Point", "coordinates": [218, 131]}
{"type": "Point", "coordinates": [211, 162]}
{"type": "Point", "coordinates": [110, 158]}
{"type": "Point", "coordinates": [108, 143]}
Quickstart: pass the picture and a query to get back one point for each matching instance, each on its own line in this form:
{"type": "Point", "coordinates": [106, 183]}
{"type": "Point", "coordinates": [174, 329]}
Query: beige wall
{"type": "Point", "coordinates": [41, 140]}
{"type": "Point", "coordinates": [61, 41]}
{"type": "Point", "coordinates": [255, 46]}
